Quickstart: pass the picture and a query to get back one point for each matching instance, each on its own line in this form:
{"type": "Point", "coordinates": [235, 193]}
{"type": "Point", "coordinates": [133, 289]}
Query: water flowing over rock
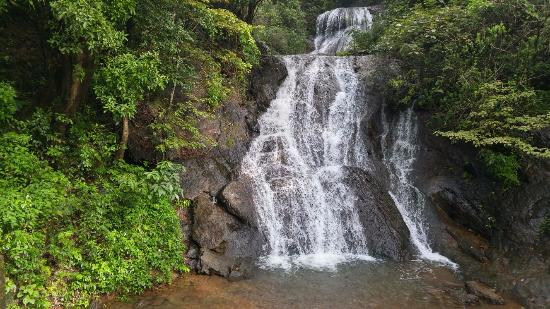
{"type": "Point", "coordinates": [308, 204]}
{"type": "Point", "coordinates": [399, 154]}
{"type": "Point", "coordinates": [334, 28]}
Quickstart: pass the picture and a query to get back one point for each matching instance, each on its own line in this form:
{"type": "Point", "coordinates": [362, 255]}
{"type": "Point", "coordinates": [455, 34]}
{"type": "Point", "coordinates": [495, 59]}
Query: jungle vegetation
{"type": "Point", "coordinates": [481, 67]}
{"type": "Point", "coordinates": [80, 218]}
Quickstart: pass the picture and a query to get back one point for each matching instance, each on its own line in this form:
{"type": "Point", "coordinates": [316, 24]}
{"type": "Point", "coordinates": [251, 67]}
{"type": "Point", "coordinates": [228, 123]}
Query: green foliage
{"type": "Point", "coordinates": [501, 166]}
{"type": "Point", "coordinates": [203, 67]}
{"type": "Point", "coordinates": [8, 106]}
{"type": "Point", "coordinates": [124, 80]}
{"type": "Point", "coordinates": [480, 66]}
{"type": "Point", "coordinates": [282, 26]}
{"type": "Point", "coordinates": [89, 25]}
{"type": "Point", "coordinates": [65, 240]}
{"type": "Point", "coordinates": [364, 42]}
{"type": "Point", "coordinates": [73, 224]}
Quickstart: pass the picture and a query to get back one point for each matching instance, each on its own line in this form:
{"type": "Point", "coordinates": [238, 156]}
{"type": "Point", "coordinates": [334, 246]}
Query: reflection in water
{"type": "Point", "coordinates": [355, 285]}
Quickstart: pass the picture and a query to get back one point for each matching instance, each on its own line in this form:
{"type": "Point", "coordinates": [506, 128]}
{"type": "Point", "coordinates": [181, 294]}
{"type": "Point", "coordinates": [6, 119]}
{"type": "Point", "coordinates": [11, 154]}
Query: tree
{"type": "Point", "coordinates": [482, 68]}
{"type": "Point", "coordinates": [86, 28]}
{"type": "Point", "coordinates": [244, 9]}
{"type": "Point", "coordinates": [122, 82]}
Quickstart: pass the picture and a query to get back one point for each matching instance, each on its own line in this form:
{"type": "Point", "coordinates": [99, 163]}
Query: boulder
{"type": "Point", "coordinates": [485, 292]}
{"type": "Point", "coordinates": [266, 79]}
{"type": "Point", "coordinates": [237, 199]}
{"type": "Point", "coordinates": [226, 243]}
{"type": "Point", "coordinates": [214, 263]}
{"type": "Point", "coordinates": [386, 233]}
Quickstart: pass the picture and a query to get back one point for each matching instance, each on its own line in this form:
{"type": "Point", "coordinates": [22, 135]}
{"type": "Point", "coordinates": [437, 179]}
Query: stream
{"type": "Point", "coordinates": [352, 285]}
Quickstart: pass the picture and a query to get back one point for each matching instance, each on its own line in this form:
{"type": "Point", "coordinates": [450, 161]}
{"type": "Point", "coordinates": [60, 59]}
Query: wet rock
{"type": "Point", "coordinates": [448, 195]}
{"type": "Point", "coordinates": [483, 291]}
{"type": "Point", "coordinates": [226, 243]}
{"type": "Point", "coordinates": [386, 233]}
{"type": "Point", "coordinates": [470, 299]}
{"type": "Point", "coordinates": [237, 199]}
{"type": "Point", "coordinates": [192, 252]}
{"type": "Point", "coordinates": [266, 79]}
{"type": "Point", "coordinates": [215, 263]}
{"type": "Point", "coordinates": [469, 247]}
{"type": "Point", "coordinates": [456, 182]}
{"type": "Point", "coordinates": [533, 292]}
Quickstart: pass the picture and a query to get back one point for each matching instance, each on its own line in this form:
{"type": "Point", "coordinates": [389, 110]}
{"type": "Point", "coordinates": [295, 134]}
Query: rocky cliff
{"type": "Point", "coordinates": [219, 228]}
{"type": "Point", "coordinates": [491, 232]}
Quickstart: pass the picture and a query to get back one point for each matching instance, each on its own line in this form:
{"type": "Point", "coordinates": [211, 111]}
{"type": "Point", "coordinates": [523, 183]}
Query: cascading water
{"type": "Point", "coordinates": [399, 158]}
{"type": "Point", "coordinates": [334, 28]}
{"type": "Point", "coordinates": [308, 136]}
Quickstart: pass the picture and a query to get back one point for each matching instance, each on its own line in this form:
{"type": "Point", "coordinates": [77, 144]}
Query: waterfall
{"type": "Point", "coordinates": [308, 137]}
{"type": "Point", "coordinates": [334, 28]}
{"type": "Point", "coordinates": [296, 162]}
{"type": "Point", "coordinates": [399, 158]}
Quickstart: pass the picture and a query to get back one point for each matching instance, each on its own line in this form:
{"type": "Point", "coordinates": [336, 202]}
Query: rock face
{"type": "Point", "coordinates": [237, 199]}
{"type": "Point", "coordinates": [221, 228]}
{"type": "Point", "coordinates": [226, 244]}
{"type": "Point", "coordinates": [483, 291]}
{"type": "Point", "coordinates": [510, 250]}
{"type": "Point", "coordinates": [211, 170]}
{"type": "Point", "coordinates": [386, 233]}
{"type": "Point", "coordinates": [493, 233]}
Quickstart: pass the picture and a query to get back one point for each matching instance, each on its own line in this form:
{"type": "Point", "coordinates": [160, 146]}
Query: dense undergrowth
{"type": "Point", "coordinates": [78, 217]}
{"type": "Point", "coordinates": [482, 67]}
{"type": "Point", "coordinates": [71, 226]}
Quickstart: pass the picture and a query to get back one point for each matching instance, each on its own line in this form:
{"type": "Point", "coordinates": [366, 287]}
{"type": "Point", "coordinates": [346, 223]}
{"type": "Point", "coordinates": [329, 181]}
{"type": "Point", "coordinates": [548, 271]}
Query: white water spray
{"type": "Point", "coordinates": [334, 28]}
{"type": "Point", "coordinates": [308, 136]}
{"type": "Point", "coordinates": [399, 157]}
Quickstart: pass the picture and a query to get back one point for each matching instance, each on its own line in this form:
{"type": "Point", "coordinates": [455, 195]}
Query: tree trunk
{"type": "Point", "coordinates": [123, 139]}
{"type": "Point", "coordinates": [75, 86]}
{"type": "Point", "coordinates": [251, 10]}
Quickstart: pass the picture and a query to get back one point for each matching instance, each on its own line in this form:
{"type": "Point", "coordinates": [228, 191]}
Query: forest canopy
{"type": "Point", "coordinates": [481, 67]}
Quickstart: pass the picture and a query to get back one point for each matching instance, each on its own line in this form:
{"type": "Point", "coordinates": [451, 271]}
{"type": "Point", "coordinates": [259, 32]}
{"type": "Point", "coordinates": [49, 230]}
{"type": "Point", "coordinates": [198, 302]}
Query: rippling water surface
{"type": "Point", "coordinates": [353, 285]}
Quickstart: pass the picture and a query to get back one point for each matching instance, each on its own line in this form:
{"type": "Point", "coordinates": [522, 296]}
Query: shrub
{"type": "Point", "coordinates": [66, 240]}
{"type": "Point", "coordinates": [501, 166]}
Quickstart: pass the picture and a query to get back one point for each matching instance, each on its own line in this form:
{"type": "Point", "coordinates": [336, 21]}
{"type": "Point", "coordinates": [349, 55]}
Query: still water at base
{"type": "Point", "coordinates": [352, 285]}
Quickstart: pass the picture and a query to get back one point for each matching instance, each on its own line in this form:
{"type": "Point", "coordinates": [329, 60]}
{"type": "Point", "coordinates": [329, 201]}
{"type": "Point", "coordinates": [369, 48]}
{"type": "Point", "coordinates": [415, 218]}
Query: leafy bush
{"type": "Point", "coordinates": [7, 102]}
{"type": "Point", "coordinates": [65, 240]}
{"type": "Point", "coordinates": [482, 68]}
{"type": "Point", "coordinates": [501, 166]}
{"type": "Point", "coordinates": [282, 26]}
